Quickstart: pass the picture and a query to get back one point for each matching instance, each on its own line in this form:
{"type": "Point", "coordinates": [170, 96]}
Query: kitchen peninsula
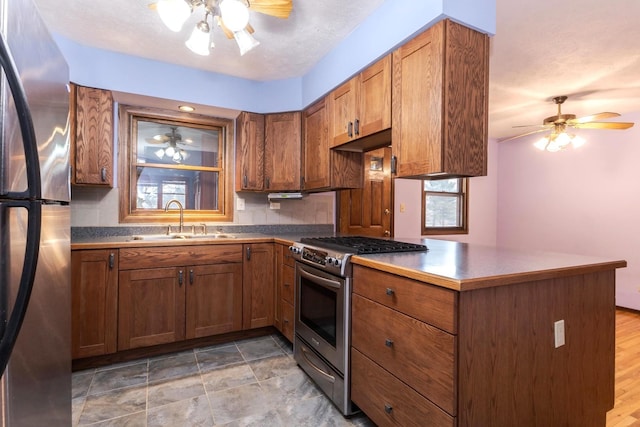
{"type": "Point", "coordinates": [471, 335]}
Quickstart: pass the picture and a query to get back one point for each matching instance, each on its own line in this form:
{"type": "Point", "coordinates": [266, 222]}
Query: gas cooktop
{"type": "Point", "coordinates": [359, 245]}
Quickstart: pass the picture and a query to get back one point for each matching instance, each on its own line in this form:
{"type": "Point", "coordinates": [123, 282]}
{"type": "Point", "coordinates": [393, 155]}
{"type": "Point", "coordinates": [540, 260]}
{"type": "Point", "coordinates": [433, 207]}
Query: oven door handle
{"type": "Point", "coordinates": [305, 352]}
{"type": "Point", "coordinates": [320, 280]}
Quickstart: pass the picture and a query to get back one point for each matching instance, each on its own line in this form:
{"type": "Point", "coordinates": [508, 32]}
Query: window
{"type": "Point", "coordinates": [444, 206]}
{"type": "Point", "coordinates": [168, 156]}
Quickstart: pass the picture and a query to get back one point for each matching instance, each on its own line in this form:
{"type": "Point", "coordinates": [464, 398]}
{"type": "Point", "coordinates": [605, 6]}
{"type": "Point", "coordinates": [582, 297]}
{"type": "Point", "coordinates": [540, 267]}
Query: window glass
{"type": "Point", "coordinates": [444, 206]}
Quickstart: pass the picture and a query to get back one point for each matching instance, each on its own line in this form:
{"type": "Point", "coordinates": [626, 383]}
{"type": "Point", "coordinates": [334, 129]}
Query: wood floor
{"type": "Point", "coordinates": [626, 411]}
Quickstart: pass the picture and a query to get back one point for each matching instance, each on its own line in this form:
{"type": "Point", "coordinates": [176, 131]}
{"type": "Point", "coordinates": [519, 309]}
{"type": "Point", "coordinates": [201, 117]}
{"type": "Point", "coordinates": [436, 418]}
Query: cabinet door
{"type": "Point", "coordinates": [374, 99]}
{"type": "Point", "coordinates": [316, 147]}
{"type": "Point", "coordinates": [94, 296]}
{"type": "Point", "coordinates": [258, 285]}
{"type": "Point", "coordinates": [93, 142]}
{"type": "Point", "coordinates": [250, 152]}
{"type": "Point", "coordinates": [214, 299]}
{"type": "Point", "coordinates": [342, 108]}
{"type": "Point", "coordinates": [151, 307]}
{"type": "Point", "coordinates": [282, 151]}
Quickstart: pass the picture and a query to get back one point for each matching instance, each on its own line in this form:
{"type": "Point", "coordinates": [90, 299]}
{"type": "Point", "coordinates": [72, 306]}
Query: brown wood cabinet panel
{"type": "Point", "coordinates": [258, 285]}
{"type": "Point", "coordinates": [431, 304]}
{"type": "Point", "coordinates": [94, 297]}
{"type": "Point", "coordinates": [343, 112]}
{"type": "Point", "coordinates": [388, 401]}
{"type": "Point", "coordinates": [439, 105]}
{"type": "Point", "coordinates": [151, 306]}
{"type": "Point", "coordinates": [282, 151]}
{"type": "Point", "coordinates": [169, 256]}
{"type": "Point", "coordinates": [250, 152]}
{"type": "Point", "coordinates": [214, 299]}
{"type": "Point", "coordinates": [92, 138]}
{"type": "Point", "coordinates": [288, 284]}
{"type": "Point", "coordinates": [285, 291]}
{"type": "Point", "coordinates": [419, 354]}
{"type": "Point", "coordinates": [288, 320]}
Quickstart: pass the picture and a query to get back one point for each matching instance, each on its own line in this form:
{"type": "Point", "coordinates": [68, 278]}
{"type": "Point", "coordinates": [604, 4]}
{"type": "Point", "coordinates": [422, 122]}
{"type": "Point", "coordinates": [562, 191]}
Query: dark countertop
{"type": "Point", "coordinates": [462, 266]}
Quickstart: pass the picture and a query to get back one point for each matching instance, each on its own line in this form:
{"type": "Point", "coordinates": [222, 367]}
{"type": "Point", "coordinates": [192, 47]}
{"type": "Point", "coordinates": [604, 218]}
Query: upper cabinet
{"type": "Point", "coordinates": [268, 150]}
{"type": "Point", "coordinates": [323, 168]}
{"type": "Point", "coordinates": [362, 106]}
{"type": "Point", "coordinates": [440, 96]}
{"type": "Point", "coordinates": [91, 136]}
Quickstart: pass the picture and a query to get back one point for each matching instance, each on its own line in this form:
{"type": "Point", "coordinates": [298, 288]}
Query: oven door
{"type": "Point", "coordinates": [322, 316]}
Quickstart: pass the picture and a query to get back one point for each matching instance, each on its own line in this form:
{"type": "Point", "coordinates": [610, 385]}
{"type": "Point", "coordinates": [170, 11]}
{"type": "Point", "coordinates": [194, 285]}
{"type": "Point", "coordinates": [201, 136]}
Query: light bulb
{"type": "Point", "coordinates": [174, 13]}
{"type": "Point", "coordinates": [235, 14]}
{"type": "Point", "coordinates": [160, 153]}
{"type": "Point", "coordinates": [577, 141]}
{"type": "Point", "coordinates": [245, 41]}
{"type": "Point", "coordinates": [199, 41]}
{"type": "Point", "coordinates": [563, 140]}
{"type": "Point", "coordinates": [169, 151]}
{"type": "Point", "coordinates": [541, 144]}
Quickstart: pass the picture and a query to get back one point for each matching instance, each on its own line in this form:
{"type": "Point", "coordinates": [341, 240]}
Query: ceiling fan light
{"type": "Point", "coordinates": [199, 41]}
{"type": "Point", "coordinates": [235, 14]}
{"type": "Point", "coordinates": [245, 41]}
{"type": "Point", "coordinates": [173, 13]}
{"type": "Point", "coordinates": [542, 143]}
{"type": "Point", "coordinates": [170, 151]}
{"type": "Point", "coordinates": [159, 153]}
{"type": "Point", "coordinates": [562, 140]}
{"type": "Point", "coordinates": [577, 141]}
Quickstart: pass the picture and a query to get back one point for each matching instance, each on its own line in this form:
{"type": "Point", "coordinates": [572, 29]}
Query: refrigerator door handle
{"type": "Point", "coordinates": [29, 142]}
{"type": "Point", "coordinates": [33, 206]}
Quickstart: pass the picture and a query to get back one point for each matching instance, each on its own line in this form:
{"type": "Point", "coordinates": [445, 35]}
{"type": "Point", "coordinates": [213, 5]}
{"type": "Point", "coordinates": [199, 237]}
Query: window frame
{"type": "Point", "coordinates": [127, 165]}
{"type": "Point", "coordinates": [464, 210]}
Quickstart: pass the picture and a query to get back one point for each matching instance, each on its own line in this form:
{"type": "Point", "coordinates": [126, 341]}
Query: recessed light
{"type": "Point", "coordinates": [186, 108]}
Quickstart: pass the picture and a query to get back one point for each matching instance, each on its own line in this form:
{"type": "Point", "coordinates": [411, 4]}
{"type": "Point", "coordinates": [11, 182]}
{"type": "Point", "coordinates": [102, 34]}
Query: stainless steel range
{"type": "Point", "coordinates": [323, 307]}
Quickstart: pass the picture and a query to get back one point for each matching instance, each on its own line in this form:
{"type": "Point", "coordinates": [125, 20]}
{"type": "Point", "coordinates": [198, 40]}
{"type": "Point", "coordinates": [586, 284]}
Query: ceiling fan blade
{"type": "Point", "coordinates": [153, 6]}
{"type": "Point", "coordinates": [603, 125]}
{"type": "Point", "coordinates": [593, 117]}
{"type": "Point", "coordinates": [277, 8]}
{"type": "Point", "coordinates": [509, 138]}
{"type": "Point", "coordinates": [533, 126]}
{"type": "Point", "coordinates": [157, 139]}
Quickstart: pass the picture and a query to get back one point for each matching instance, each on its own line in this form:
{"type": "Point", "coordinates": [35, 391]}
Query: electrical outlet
{"type": "Point", "coordinates": [558, 330]}
{"type": "Point", "coordinates": [239, 204]}
{"type": "Point", "coordinates": [274, 205]}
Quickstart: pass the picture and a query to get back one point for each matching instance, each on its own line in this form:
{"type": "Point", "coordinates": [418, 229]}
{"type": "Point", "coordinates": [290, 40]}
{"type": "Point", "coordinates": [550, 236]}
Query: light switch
{"type": "Point", "coordinates": [558, 328]}
{"type": "Point", "coordinates": [403, 207]}
{"type": "Point", "coordinates": [239, 204]}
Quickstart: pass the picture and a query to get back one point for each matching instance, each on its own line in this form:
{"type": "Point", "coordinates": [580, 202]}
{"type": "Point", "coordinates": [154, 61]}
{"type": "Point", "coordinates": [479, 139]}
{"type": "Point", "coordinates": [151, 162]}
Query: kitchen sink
{"type": "Point", "coordinates": [182, 236]}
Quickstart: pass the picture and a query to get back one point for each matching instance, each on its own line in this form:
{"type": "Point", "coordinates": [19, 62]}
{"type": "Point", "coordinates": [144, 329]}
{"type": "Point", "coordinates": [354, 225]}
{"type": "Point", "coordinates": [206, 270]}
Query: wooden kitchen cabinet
{"type": "Point", "coordinates": [285, 291]}
{"type": "Point", "coordinates": [440, 103]}
{"type": "Point", "coordinates": [268, 150]}
{"type": "Point", "coordinates": [325, 169]}
{"type": "Point", "coordinates": [361, 106]}
{"type": "Point", "coordinates": [168, 295]}
{"type": "Point", "coordinates": [94, 297]}
{"type": "Point", "coordinates": [258, 285]}
{"type": "Point", "coordinates": [91, 136]}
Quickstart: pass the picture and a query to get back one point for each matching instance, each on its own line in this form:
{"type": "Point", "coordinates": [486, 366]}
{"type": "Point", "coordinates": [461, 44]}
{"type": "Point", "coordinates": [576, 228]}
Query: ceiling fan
{"type": "Point", "coordinates": [232, 16]}
{"type": "Point", "coordinates": [560, 124]}
{"type": "Point", "coordinates": [171, 151]}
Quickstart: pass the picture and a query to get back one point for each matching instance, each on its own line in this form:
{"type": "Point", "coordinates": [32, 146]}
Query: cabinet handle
{"type": "Point", "coordinates": [388, 342]}
{"type": "Point", "coordinates": [394, 165]}
{"type": "Point", "coordinates": [268, 181]}
{"type": "Point", "coordinates": [180, 277]}
{"type": "Point", "coordinates": [248, 253]}
{"type": "Point", "coordinates": [388, 408]}
{"type": "Point", "coordinates": [103, 174]}
{"type": "Point", "coordinates": [112, 260]}
{"type": "Point", "coordinates": [357, 127]}
{"type": "Point", "coordinates": [350, 129]}
{"type": "Point", "coordinates": [191, 276]}
{"type": "Point", "coordinates": [390, 292]}
{"type": "Point", "coordinates": [244, 181]}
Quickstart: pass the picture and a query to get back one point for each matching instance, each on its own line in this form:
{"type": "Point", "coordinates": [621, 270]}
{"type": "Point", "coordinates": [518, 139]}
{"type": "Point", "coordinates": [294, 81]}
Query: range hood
{"type": "Point", "coordinates": [285, 196]}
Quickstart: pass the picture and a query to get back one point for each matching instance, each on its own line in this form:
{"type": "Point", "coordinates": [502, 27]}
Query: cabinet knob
{"type": "Point", "coordinates": [390, 292]}
{"type": "Point", "coordinates": [180, 277]}
{"type": "Point", "coordinates": [244, 181]}
{"type": "Point", "coordinates": [350, 129]}
{"type": "Point", "coordinates": [388, 408]}
{"type": "Point", "coordinates": [248, 253]}
{"type": "Point", "coordinates": [191, 276]}
{"type": "Point", "coordinates": [388, 342]}
{"type": "Point", "coordinates": [356, 127]}
{"type": "Point", "coordinates": [103, 174]}
{"type": "Point", "coordinates": [112, 260]}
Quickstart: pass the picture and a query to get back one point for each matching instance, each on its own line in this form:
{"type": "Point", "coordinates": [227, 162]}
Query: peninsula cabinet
{"type": "Point", "coordinates": [94, 302]}
{"type": "Point", "coordinates": [440, 103]}
{"type": "Point", "coordinates": [326, 169]}
{"type": "Point", "coordinates": [428, 355]}
{"type": "Point", "coordinates": [361, 106]}
{"type": "Point", "coordinates": [91, 136]}
{"type": "Point", "coordinates": [285, 291]}
{"type": "Point", "coordinates": [168, 295]}
{"type": "Point", "coordinates": [258, 285]}
{"type": "Point", "coordinates": [268, 150]}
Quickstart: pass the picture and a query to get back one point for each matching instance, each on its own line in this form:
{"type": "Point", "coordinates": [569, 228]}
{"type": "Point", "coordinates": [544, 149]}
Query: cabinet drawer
{"type": "Point", "coordinates": [288, 288]}
{"type": "Point", "coordinates": [177, 256]}
{"type": "Point", "coordinates": [419, 354]}
{"type": "Point", "coordinates": [287, 258]}
{"type": "Point", "coordinates": [388, 401]}
{"type": "Point", "coordinates": [431, 304]}
{"type": "Point", "coordinates": [287, 320]}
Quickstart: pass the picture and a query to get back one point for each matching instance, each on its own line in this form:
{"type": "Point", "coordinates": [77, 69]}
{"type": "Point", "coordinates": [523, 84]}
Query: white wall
{"type": "Point", "coordinates": [584, 201]}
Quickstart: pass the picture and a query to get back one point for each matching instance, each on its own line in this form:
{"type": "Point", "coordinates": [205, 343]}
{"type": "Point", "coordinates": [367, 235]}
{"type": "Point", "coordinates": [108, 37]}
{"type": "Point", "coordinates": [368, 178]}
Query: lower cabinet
{"type": "Point", "coordinates": [258, 285]}
{"type": "Point", "coordinates": [94, 308]}
{"type": "Point", "coordinates": [285, 291]}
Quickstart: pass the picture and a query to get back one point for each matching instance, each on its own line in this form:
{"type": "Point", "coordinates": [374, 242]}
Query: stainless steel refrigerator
{"type": "Point", "coordinates": [35, 298]}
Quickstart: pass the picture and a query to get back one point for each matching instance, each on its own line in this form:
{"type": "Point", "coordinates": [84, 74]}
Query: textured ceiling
{"type": "Point", "coordinates": [586, 49]}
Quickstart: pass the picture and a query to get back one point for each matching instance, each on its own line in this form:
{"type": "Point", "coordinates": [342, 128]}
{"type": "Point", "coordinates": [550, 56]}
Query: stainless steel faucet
{"type": "Point", "coordinates": [166, 208]}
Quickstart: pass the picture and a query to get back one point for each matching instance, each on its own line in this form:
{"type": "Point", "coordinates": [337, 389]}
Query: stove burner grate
{"type": "Point", "coordinates": [364, 245]}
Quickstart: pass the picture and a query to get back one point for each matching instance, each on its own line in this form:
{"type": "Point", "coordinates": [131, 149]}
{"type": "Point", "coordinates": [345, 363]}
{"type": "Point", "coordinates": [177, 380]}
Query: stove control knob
{"type": "Point", "coordinates": [294, 249]}
{"type": "Point", "coordinates": [334, 261]}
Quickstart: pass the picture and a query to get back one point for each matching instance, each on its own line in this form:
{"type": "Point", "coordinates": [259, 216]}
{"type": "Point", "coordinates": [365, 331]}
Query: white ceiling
{"type": "Point", "coordinates": [586, 49]}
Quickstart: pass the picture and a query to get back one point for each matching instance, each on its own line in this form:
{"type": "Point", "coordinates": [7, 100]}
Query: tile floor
{"type": "Point", "coordinates": [252, 382]}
